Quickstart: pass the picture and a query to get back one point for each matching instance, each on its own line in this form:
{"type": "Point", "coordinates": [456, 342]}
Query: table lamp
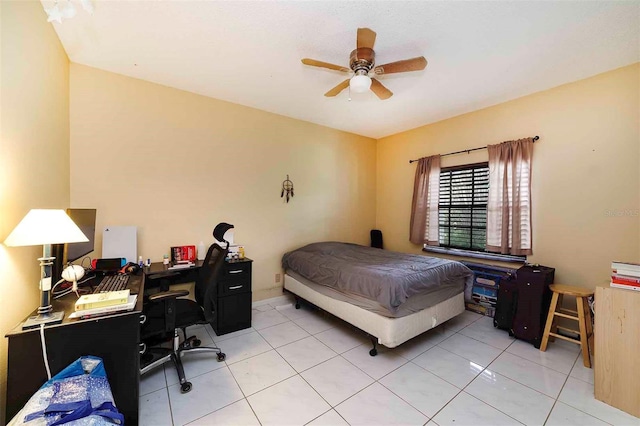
{"type": "Point", "coordinates": [46, 227]}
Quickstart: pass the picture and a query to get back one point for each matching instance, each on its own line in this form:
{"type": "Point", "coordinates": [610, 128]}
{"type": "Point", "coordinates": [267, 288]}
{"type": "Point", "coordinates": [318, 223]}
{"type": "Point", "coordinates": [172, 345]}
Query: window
{"type": "Point", "coordinates": [462, 208]}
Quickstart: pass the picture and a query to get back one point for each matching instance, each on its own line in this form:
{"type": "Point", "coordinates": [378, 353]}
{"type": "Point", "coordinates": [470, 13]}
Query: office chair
{"type": "Point", "coordinates": [164, 314]}
{"type": "Point", "coordinates": [376, 238]}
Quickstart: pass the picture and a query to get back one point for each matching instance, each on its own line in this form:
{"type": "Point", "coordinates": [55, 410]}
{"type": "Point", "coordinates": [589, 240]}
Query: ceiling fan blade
{"type": "Point", "coordinates": [321, 64]}
{"type": "Point", "coordinates": [414, 64]}
{"type": "Point", "coordinates": [339, 88]}
{"type": "Point", "coordinates": [380, 91]}
{"type": "Point", "coordinates": [366, 38]}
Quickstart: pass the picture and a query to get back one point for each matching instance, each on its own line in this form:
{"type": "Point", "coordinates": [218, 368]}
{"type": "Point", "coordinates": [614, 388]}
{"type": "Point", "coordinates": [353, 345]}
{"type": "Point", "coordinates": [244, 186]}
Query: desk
{"type": "Point", "coordinates": [114, 338]}
{"type": "Point", "coordinates": [233, 302]}
{"type": "Point", "coordinates": [158, 275]}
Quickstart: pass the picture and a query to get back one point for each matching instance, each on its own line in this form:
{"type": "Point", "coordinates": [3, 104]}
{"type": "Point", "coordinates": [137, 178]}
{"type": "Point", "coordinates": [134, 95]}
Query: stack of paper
{"type": "Point", "coordinates": [104, 303]}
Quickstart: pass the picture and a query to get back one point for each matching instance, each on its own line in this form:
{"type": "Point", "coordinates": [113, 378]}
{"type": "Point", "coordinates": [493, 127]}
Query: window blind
{"type": "Point", "coordinates": [462, 208]}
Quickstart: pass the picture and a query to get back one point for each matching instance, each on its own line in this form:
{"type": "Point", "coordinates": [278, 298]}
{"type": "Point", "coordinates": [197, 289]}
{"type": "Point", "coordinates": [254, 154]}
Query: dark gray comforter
{"type": "Point", "coordinates": [384, 276]}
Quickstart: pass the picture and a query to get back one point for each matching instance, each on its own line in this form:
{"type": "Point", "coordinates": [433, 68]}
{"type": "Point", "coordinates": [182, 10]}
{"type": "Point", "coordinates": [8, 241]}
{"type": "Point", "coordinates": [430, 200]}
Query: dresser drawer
{"type": "Point", "coordinates": [235, 271]}
{"type": "Point", "coordinates": [234, 313]}
{"type": "Point", "coordinates": [236, 285]}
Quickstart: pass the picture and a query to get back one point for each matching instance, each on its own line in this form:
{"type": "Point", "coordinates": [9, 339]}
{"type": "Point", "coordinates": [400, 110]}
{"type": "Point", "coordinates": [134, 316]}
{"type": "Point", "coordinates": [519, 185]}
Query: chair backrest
{"type": "Point", "coordinates": [207, 282]}
{"type": "Point", "coordinates": [376, 238]}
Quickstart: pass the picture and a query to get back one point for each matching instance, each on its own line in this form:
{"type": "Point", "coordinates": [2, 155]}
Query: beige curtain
{"type": "Point", "coordinates": [424, 208]}
{"type": "Point", "coordinates": [509, 204]}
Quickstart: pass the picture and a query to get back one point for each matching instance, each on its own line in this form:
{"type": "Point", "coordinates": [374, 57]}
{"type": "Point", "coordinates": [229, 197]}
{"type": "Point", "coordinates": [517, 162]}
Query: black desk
{"type": "Point", "coordinates": [159, 275]}
{"type": "Point", "coordinates": [114, 338]}
{"type": "Point", "coordinates": [233, 302]}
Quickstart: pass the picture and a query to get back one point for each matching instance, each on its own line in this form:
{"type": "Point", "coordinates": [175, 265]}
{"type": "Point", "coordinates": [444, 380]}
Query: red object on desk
{"type": "Point", "coordinates": [182, 253]}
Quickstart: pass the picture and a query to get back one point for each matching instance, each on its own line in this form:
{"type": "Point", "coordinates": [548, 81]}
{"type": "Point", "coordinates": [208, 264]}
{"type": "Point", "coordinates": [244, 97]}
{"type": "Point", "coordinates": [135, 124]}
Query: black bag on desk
{"type": "Point", "coordinates": [532, 302]}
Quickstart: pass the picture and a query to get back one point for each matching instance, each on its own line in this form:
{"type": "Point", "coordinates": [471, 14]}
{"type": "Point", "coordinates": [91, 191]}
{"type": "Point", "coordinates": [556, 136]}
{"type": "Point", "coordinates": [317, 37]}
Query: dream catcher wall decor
{"type": "Point", "coordinates": [287, 188]}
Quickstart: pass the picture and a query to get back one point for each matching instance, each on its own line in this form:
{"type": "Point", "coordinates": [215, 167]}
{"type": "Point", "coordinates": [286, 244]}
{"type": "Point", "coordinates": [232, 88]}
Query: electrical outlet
{"type": "Point", "coordinates": [278, 277]}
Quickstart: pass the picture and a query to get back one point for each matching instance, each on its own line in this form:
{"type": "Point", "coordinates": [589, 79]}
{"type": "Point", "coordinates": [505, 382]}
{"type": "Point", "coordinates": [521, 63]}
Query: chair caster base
{"type": "Point", "coordinates": [373, 352]}
{"type": "Point", "coordinates": [185, 387]}
{"type": "Point", "coordinates": [191, 342]}
{"type": "Point", "coordinates": [221, 357]}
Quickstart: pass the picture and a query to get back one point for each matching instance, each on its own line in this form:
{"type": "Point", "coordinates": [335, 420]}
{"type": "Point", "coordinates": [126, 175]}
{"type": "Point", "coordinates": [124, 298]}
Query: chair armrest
{"type": "Point", "coordinates": [162, 280]}
{"type": "Point", "coordinates": [168, 295]}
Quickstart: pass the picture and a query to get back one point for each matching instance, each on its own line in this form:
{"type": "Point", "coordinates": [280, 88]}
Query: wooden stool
{"type": "Point", "coordinates": [583, 317]}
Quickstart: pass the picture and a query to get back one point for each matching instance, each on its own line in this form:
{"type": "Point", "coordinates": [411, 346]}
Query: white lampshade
{"type": "Point", "coordinates": [360, 83]}
{"type": "Point", "coordinates": [45, 226]}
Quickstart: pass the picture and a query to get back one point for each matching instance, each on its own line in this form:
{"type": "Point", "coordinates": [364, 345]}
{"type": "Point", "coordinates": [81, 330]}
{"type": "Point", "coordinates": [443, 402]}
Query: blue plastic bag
{"type": "Point", "coordinates": [78, 395]}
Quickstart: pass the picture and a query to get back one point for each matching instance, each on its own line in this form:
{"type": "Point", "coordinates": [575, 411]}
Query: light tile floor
{"type": "Point", "coordinates": [296, 367]}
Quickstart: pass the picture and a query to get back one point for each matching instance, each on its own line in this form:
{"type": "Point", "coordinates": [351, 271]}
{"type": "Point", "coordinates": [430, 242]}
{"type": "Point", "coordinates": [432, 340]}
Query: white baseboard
{"type": "Point", "coordinates": [274, 301]}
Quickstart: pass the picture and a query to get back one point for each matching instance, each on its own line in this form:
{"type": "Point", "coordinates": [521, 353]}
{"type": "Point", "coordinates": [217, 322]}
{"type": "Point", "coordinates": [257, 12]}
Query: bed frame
{"type": "Point", "coordinates": [386, 331]}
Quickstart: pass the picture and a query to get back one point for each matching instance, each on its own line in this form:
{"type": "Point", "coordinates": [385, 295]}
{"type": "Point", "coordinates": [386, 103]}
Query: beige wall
{"type": "Point", "coordinates": [585, 168]}
{"type": "Point", "coordinates": [34, 147]}
{"type": "Point", "coordinates": [174, 164]}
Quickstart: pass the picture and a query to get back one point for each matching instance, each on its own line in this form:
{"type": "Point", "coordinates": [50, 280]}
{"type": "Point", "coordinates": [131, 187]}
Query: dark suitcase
{"type": "Point", "coordinates": [533, 299]}
{"type": "Point", "coordinates": [506, 305]}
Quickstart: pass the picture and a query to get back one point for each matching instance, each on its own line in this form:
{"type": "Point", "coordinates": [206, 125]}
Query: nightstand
{"type": "Point", "coordinates": [234, 297]}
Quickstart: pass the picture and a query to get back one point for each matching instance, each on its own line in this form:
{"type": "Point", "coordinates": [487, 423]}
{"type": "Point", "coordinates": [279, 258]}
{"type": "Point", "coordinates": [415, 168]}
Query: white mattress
{"type": "Point", "coordinates": [413, 304]}
{"type": "Point", "coordinates": [390, 332]}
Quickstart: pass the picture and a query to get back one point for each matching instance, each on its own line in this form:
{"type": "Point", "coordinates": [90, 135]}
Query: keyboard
{"type": "Point", "coordinates": [112, 283]}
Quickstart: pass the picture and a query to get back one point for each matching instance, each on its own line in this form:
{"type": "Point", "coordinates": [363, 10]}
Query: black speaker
{"type": "Point", "coordinates": [376, 238]}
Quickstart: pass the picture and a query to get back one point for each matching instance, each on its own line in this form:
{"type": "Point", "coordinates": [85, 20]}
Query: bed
{"type": "Point", "coordinates": [391, 296]}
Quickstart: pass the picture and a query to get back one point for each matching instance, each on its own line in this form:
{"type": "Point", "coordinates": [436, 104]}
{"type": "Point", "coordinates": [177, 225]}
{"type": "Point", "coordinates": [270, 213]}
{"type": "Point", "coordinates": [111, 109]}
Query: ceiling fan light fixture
{"type": "Point", "coordinates": [360, 83]}
{"type": "Point", "coordinates": [362, 62]}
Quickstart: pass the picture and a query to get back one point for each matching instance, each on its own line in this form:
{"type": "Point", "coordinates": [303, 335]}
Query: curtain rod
{"type": "Point", "coordinates": [535, 138]}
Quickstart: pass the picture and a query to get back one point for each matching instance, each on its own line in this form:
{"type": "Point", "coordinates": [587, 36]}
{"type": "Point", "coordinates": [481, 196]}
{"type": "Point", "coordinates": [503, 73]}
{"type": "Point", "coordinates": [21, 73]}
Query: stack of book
{"type": "Point", "coordinates": [97, 304]}
{"type": "Point", "coordinates": [182, 257]}
{"type": "Point", "coordinates": [183, 253]}
{"type": "Point", "coordinates": [625, 275]}
{"type": "Point", "coordinates": [181, 264]}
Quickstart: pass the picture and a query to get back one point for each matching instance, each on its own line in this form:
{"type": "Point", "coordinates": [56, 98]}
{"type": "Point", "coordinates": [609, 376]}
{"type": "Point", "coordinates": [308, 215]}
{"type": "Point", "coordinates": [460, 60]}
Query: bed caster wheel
{"type": "Point", "coordinates": [510, 333]}
{"type": "Point", "coordinates": [185, 387]}
{"type": "Point", "coordinates": [373, 352]}
{"type": "Point", "coordinates": [196, 343]}
{"type": "Point", "coordinates": [297, 305]}
{"type": "Point", "coordinates": [221, 357]}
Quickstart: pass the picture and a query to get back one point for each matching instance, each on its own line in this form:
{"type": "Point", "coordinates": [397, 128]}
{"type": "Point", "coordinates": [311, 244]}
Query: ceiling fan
{"type": "Point", "coordinates": [362, 63]}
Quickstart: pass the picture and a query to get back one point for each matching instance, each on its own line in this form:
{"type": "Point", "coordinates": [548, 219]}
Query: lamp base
{"type": "Point", "coordinates": [46, 319]}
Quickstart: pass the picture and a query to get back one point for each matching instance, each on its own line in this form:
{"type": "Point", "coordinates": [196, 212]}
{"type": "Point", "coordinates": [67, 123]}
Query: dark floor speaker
{"type": "Point", "coordinates": [376, 238]}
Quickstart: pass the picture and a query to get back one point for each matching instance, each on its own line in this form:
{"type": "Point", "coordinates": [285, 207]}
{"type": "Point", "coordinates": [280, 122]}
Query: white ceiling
{"type": "Point", "coordinates": [248, 52]}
